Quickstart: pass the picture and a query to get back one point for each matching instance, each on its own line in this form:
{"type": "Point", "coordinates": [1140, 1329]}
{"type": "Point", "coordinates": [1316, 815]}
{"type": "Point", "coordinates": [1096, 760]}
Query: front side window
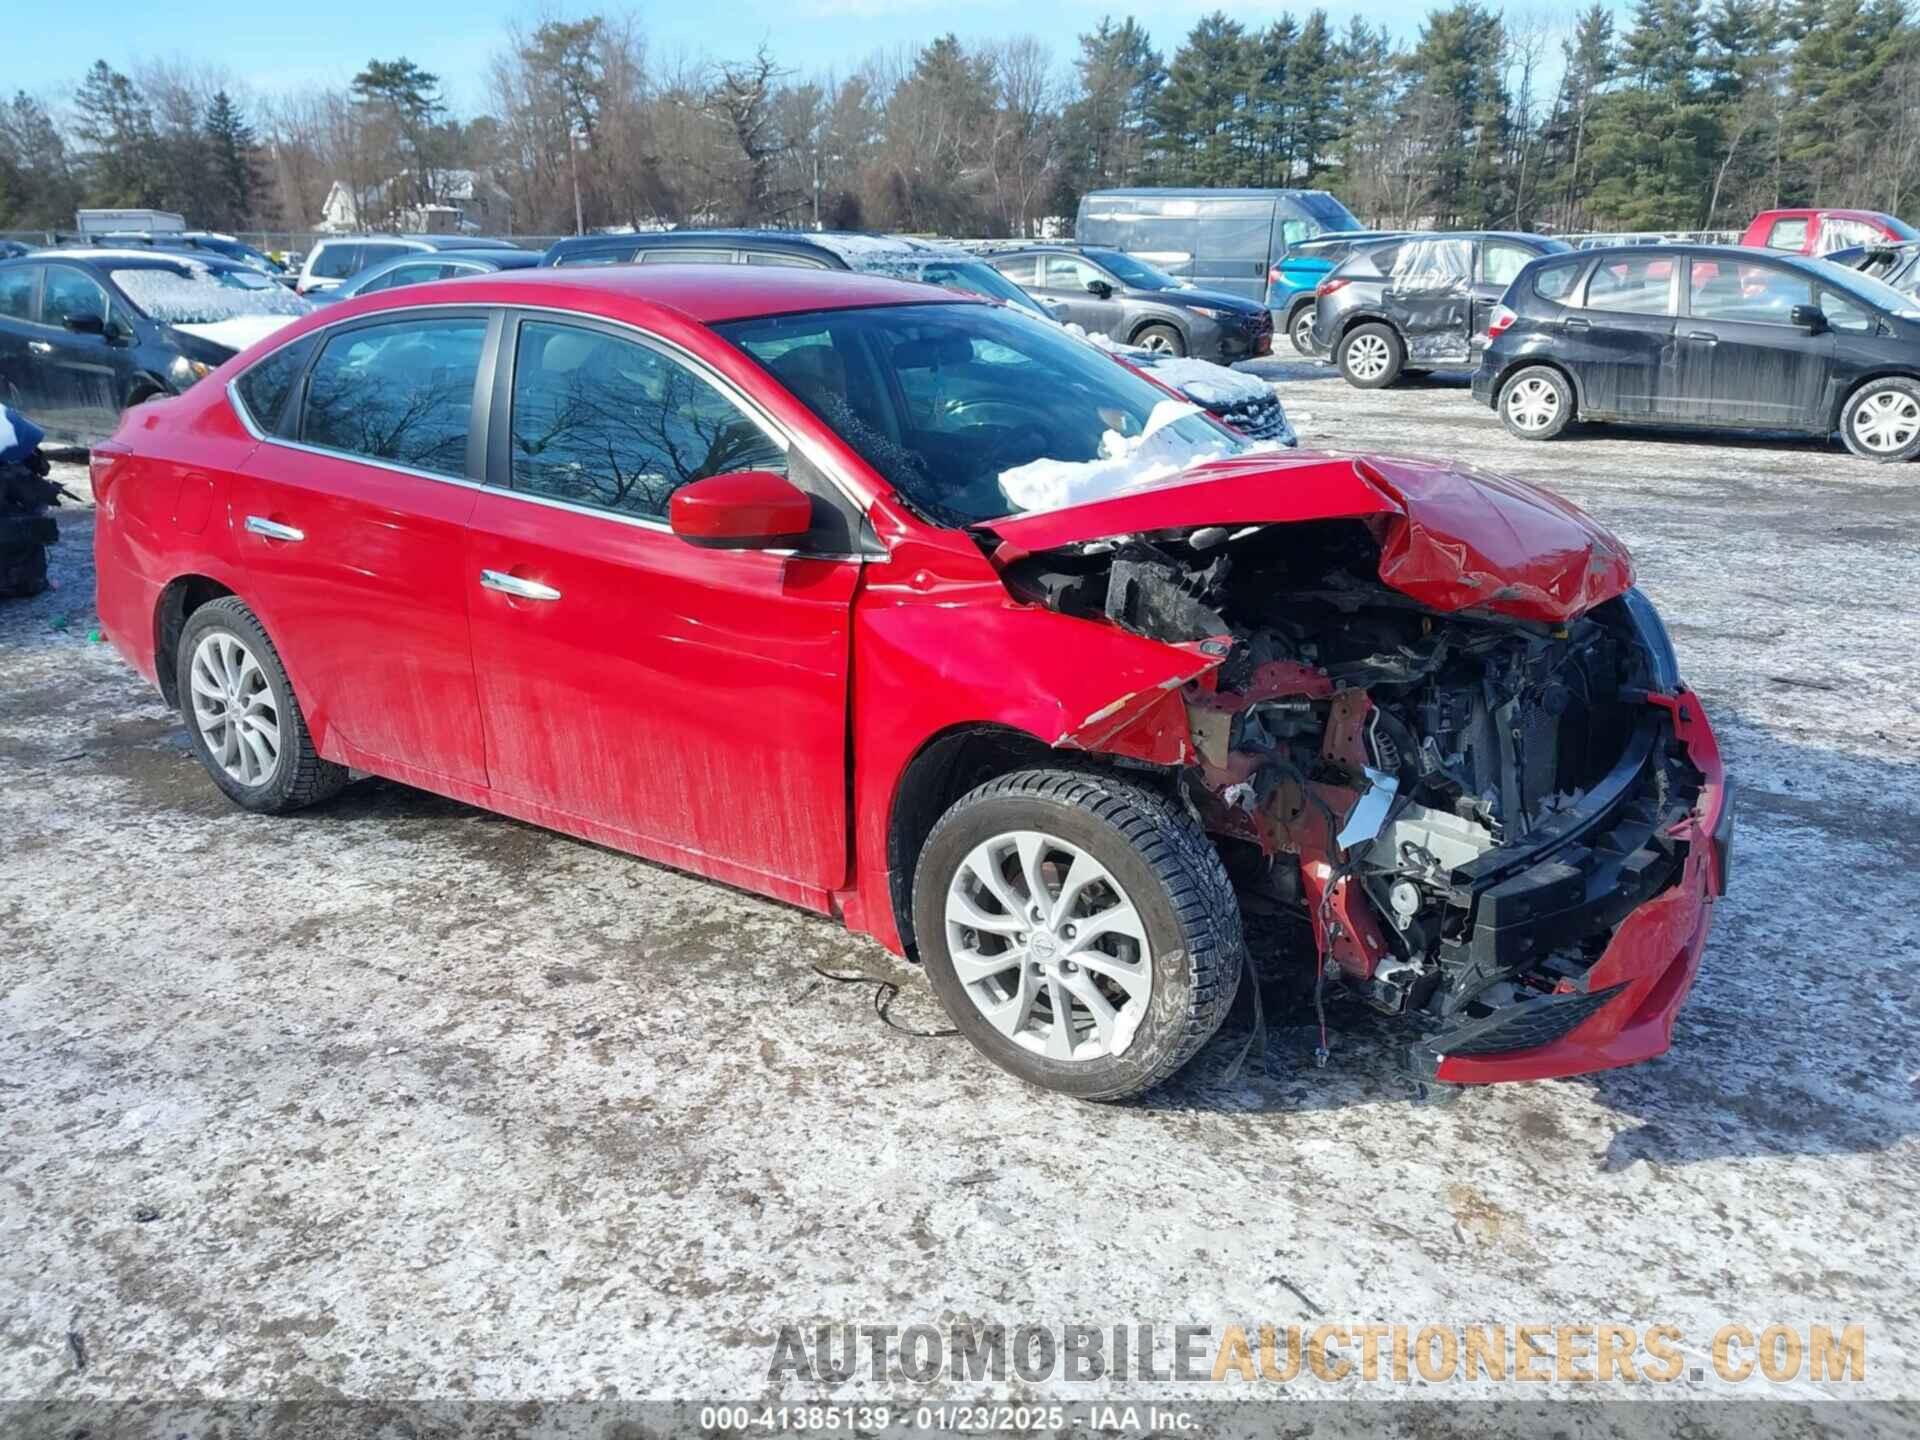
{"type": "Point", "coordinates": [1845, 314]}
{"type": "Point", "coordinates": [16, 292]}
{"type": "Point", "coordinates": [1759, 294]}
{"type": "Point", "coordinates": [975, 411]}
{"type": "Point", "coordinates": [1632, 285]}
{"type": "Point", "coordinates": [1788, 235]}
{"type": "Point", "coordinates": [265, 386]}
{"type": "Point", "coordinates": [618, 425]}
{"type": "Point", "coordinates": [1067, 272]}
{"type": "Point", "coordinates": [72, 296]}
{"type": "Point", "coordinates": [400, 392]}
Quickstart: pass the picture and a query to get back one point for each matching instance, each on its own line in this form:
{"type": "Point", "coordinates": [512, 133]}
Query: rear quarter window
{"type": "Point", "coordinates": [16, 292]}
{"type": "Point", "coordinates": [264, 389]}
{"type": "Point", "coordinates": [1556, 282]}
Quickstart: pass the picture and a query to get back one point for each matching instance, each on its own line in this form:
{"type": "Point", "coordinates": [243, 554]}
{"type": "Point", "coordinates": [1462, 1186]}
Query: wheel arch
{"type": "Point", "coordinates": [1885, 372]}
{"type": "Point", "coordinates": [1169, 322]}
{"type": "Point", "coordinates": [179, 598]}
{"type": "Point", "coordinates": [954, 761]}
{"type": "Point", "coordinates": [1368, 317]}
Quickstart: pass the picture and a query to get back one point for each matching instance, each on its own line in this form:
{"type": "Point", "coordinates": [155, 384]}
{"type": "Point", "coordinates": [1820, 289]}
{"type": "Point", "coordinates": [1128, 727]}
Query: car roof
{"type": "Point", "coordinates": [101, 256]}
{"type": "Point", "coordinates": [426, 242]}
{"type": "Point", "coordinates": [706, 294]}
{"type": "Point", "coordinates": [1201, 192]}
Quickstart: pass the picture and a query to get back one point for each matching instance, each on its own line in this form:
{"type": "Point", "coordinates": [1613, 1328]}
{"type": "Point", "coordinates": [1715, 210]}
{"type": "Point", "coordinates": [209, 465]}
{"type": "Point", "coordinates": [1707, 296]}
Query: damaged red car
{"type": "Point", "coordinates": [908, 609]}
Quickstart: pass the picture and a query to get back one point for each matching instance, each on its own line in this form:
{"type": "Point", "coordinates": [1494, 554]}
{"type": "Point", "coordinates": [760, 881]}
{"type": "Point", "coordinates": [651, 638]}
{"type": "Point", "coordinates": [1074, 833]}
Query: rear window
{"type": "Point", "coordinates": [1556, 282]}
{"type": "Point", "coordinates": [1788, 235]}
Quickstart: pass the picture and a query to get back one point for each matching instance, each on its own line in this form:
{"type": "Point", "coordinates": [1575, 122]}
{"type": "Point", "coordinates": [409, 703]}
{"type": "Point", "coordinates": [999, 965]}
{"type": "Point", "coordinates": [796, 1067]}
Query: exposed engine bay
{"type": "Point", "coordinates": [1444, 813]}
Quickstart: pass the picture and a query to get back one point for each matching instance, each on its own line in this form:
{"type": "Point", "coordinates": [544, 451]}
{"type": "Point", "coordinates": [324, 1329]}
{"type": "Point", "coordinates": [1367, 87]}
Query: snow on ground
{"type": "Point", "coordinates": [398, 1098]}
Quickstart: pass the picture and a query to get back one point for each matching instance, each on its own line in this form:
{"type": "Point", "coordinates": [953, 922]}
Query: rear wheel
{"type": "Point", "coordinates": [1161, 340]}
{"type": "Point", "coordinates": [1081, 931]}
{"type": "Point", "coordinates": [1536, 403]}
{"type": "Point", "coordinates": [243, 719]}
{"type": "Point", "coordinates": [1371, 356]}
{"type": "Point", "coordinates": [1881, 420]}
{"type": "Point", "coordinates": [1300, 329]}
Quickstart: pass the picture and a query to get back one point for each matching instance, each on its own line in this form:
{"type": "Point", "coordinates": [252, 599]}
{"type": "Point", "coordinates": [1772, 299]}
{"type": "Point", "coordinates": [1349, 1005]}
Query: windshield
{"type": "Point", "coordinates": [974, 277]}
{"type": "Point", "coordinates": [1325, 212]}
{"type": "Point", "coordinates": [972, 412]}
{"type": "Point", "coordinates": [1136, 273]}
{"type": "Point", "coordinates": [1874, 292]}
{"type": "Point", "coordinates": [201, 295]}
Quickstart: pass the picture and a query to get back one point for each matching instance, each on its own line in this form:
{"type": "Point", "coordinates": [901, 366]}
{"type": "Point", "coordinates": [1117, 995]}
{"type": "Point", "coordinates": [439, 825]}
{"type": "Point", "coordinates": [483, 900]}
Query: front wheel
{"type": "Point", "coordinates": [1536, 403]}
{"type": "Point", "coordinates": [1080, 930]}
{"type": "Point", "coordinates": [1881, 420]}
{"type": "Point", "coordinates": [1371, 356]}
{"type": "Point", "coordinates": [1161, 340]}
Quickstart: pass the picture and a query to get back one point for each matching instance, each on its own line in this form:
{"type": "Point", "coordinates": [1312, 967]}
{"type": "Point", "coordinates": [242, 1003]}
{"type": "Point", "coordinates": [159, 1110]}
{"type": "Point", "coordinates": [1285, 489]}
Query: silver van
{"type": "Point", "coordinates": [1220, 239]}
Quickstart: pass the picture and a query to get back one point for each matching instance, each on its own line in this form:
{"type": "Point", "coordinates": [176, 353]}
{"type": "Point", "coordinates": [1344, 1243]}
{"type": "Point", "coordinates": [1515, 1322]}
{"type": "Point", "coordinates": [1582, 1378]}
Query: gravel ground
{"type": "Point", "coordinates": [397, 1098]}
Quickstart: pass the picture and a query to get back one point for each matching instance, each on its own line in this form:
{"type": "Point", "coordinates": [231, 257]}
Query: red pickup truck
{"type": "Point", "coordinates": [1818, 232]}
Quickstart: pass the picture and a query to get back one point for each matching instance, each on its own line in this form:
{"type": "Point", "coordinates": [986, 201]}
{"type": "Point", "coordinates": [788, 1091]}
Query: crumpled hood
{"type": "Point", "coordinates": [1450, 537]}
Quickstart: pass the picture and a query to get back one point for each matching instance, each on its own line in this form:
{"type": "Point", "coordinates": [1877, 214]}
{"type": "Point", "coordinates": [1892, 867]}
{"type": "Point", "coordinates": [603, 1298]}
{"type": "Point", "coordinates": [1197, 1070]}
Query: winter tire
{"type": "Point", "coordinates": [1161, 340]}
{"type": "Point", "coordinates": [243, 719]}
{"type": "Point", "coordinates": [1536, 403]}
{"type": "Point", "coordinates": [1371, 356]}
{"type": "Point", "coordinates": [1881, 420]}
{"type": "Point", "coordinates": [1080, 930]}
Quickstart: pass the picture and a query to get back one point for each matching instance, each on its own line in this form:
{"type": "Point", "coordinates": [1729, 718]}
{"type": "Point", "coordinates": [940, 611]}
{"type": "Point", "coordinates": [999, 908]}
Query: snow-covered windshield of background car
{"type": "Point", "coordinates": [1137, 273]}
{"type": "Point", "coordinates": [972, 412]}
{"type": "Point", "coordinates": [194, 294]}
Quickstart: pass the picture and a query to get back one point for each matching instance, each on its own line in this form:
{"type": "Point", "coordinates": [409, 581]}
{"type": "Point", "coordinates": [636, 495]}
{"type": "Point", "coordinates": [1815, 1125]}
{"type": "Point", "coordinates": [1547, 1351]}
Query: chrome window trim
{"type": "Point", "coordinates": [508, 309]}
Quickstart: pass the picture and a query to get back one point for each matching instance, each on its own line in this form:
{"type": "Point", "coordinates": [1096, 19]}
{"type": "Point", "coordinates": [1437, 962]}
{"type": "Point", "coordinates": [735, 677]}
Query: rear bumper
{"type": "Point", "coordinates": [1483, 386]}
{"type": "Point", "coordinates": [1624, 1011]}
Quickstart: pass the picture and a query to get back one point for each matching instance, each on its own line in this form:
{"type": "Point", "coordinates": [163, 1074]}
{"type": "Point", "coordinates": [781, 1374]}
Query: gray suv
{"type": "Point", "coordinates": [1107, 292]}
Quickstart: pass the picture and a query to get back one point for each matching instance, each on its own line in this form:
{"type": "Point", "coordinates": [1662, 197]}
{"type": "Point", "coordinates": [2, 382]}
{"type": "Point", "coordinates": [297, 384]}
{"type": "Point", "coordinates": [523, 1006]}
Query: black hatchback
{"type": "Point", "coordinates": [1706, 336]}
{"type": "Point", "coordinates": [1417, 302]}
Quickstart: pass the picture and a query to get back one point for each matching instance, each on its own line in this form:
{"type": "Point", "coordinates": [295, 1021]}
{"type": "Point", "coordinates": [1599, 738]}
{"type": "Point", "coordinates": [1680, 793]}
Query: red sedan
{"type": "Point", "coordinates": [912, 610]}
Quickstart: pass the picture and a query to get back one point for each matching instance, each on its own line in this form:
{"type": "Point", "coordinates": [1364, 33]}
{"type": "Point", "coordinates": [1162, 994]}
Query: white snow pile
{"type": "Point", "coordinates": [1207, 382]}
{"type": "Point", "coordinates": [1161, 450]}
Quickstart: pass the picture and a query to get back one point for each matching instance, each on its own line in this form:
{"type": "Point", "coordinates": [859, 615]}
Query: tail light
{"type": "Point", "coordinates": [101, 460]}
{"type": "Point", "coordinates": [1500, 322]}
{"type": "Point", "coordinates": [1328, 287]}
{"type": "Point", "coordinates": [1274, 277]}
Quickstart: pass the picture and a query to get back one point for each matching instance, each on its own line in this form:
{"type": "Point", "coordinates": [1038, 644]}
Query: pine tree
{"type": "Point", "coordinates": [233, 179]}
{"type": "Point", "coordinates": [111, 118]}
{"type": "Point", "coordinates": [1198, 110]}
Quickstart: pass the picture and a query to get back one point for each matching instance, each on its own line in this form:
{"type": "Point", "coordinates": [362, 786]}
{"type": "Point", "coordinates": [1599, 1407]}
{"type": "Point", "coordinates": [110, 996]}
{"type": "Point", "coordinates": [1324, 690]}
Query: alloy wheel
{"type": "Point", "coordinates": [1368, 357]}
{"type": "Point", "coordinates": [1533, 403]}
{"type": "Point", "coordinates": [234, 708]}
{"type": "Point", "coordinates": [1159, 343]}
{"type": "Point", "coordinates": [1887, 422]}
{"type": "Point", "coordinates": [1303, 332]}
{"type": "Point", "coordinates": [1049, 946]}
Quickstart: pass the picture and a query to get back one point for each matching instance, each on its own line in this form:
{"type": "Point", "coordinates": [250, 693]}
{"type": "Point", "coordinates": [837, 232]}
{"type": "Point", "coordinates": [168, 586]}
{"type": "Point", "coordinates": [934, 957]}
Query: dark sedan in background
{"type": "Point", "coordinates": [1417, 302]}
{"type": "Point", "coordinates": [1706, 335]}
{"type": "Point", "coordinates": [87, 332]}
{"type": "Point", "coordinates": [1106, 292]}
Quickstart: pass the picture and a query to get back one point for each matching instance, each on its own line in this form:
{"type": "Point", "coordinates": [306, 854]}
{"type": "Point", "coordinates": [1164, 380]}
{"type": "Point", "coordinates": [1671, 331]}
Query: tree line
{"type": "Point", "coordinates": [1687, 114]}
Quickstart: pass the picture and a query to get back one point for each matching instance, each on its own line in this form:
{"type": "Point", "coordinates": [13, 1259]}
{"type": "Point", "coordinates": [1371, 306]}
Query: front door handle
{"type": "Point", "coordinates": [513, 585]}
{"type": "Point", "coordinates": [39, 347]}
{"type": "Point", "coordinates": [1577, 324]}
{"type": "Point", "coordinates": [274, 530]}
{"type": "Point", "coordinates": [1703, 337]}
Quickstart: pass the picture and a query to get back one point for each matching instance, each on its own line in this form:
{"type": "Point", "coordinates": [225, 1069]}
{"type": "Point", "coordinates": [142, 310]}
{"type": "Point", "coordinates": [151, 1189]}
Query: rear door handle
{"type": "Point", "coordinates": [1703, 337]}
{"type": "Point", "coordinates": [39, 347]}
{"type": "Point", "coordinates": [274, 530]}
{"type": "Point", "coordinates": [513, 585]}
{"type": "Point", "coordinates": [1577, 324]}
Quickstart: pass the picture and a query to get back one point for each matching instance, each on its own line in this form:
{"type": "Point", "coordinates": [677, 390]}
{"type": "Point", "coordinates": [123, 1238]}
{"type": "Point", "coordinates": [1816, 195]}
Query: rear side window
{"type": "Point", "coordinates": [598, 257]}
{"type": "Point", "coordinates": [1632, 285]}
{"type": "Point", "coordinates": [1556, 282]}
{"type": "Point", "coordinates": [374, 254]}
{"type": "Point", "coordinates": [1021, 269]}
{"type": "Point", "coordinates": [265, 387]}
{"type": "Point", "coordinates": [16, 292]}
{"type": "Point", "coordinates": [411, 275]}
{"type": "Point", "coordinates": [1788, 235]}
{"type": "Point", "coordinates": [401, 393]}
{"type": "Point", "coordinates": [617, 425]}
{"type": "Point", "coordinates": [336, 262]}
{"type": "Point", "coordinates": [769, 257]}
{"type": "Point", "coordinates": [688, 256]}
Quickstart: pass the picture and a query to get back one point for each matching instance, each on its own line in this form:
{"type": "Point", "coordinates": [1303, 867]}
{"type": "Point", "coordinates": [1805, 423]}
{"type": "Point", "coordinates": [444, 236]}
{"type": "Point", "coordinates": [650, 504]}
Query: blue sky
{"type": "Point", "coordinates": [276, 46]}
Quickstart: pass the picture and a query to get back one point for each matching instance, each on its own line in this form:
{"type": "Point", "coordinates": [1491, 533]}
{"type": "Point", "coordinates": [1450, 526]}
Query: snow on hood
{"type": "Point", "coordinates": [238, 332]}
{"type": "Point", "coordinates": [1450, 537]}
{"type": "Point", "coordinates": [1160, 451]}
{"type": "Point", "coordinates": [1205, 381]}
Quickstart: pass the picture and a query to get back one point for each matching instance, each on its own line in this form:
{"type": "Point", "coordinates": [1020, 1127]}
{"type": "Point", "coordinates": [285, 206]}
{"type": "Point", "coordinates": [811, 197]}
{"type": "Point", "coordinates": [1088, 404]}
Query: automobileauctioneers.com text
{"type": "Point", "coordinates": [1597, 1352]}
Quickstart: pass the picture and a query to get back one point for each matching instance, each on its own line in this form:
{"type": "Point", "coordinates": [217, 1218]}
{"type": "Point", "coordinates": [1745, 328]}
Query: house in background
{"type": "Point", "coordinates": [465, 202]}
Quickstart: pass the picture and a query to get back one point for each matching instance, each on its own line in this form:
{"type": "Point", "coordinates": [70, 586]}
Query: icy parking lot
{"type": "Point", "coordinates": [399, 1098]}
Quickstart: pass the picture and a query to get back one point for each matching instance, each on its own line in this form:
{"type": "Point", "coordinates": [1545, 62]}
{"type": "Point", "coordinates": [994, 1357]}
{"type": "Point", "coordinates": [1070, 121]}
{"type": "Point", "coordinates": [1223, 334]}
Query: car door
{"type": "Point", "coordinates": [350, 519]}
{"type": "Point", "coordinates": [1429, 297]}
{"type": "Point", "coordinates": [1619, 338]}
{"type": "Point", "coordinates": [1066, 278]}
{"type": "Point", "coordinates": [23, 378]}
{"type": "Point", "coordinates": [84, 355]}
{"type": "Point", "coordinates": [1742, 359]}
{"type": "Point", "coordinates": [686, 703]}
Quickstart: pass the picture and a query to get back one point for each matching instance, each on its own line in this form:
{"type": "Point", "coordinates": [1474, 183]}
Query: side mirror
{"type": "Point", "coordinates": [85, 324]}
{"type": "Point", "coordinates": [1100, 288]}
{"type": "Point", "coordinates": [1810, 318]}
{"type": "Point", "coordinates": [744, 510]}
